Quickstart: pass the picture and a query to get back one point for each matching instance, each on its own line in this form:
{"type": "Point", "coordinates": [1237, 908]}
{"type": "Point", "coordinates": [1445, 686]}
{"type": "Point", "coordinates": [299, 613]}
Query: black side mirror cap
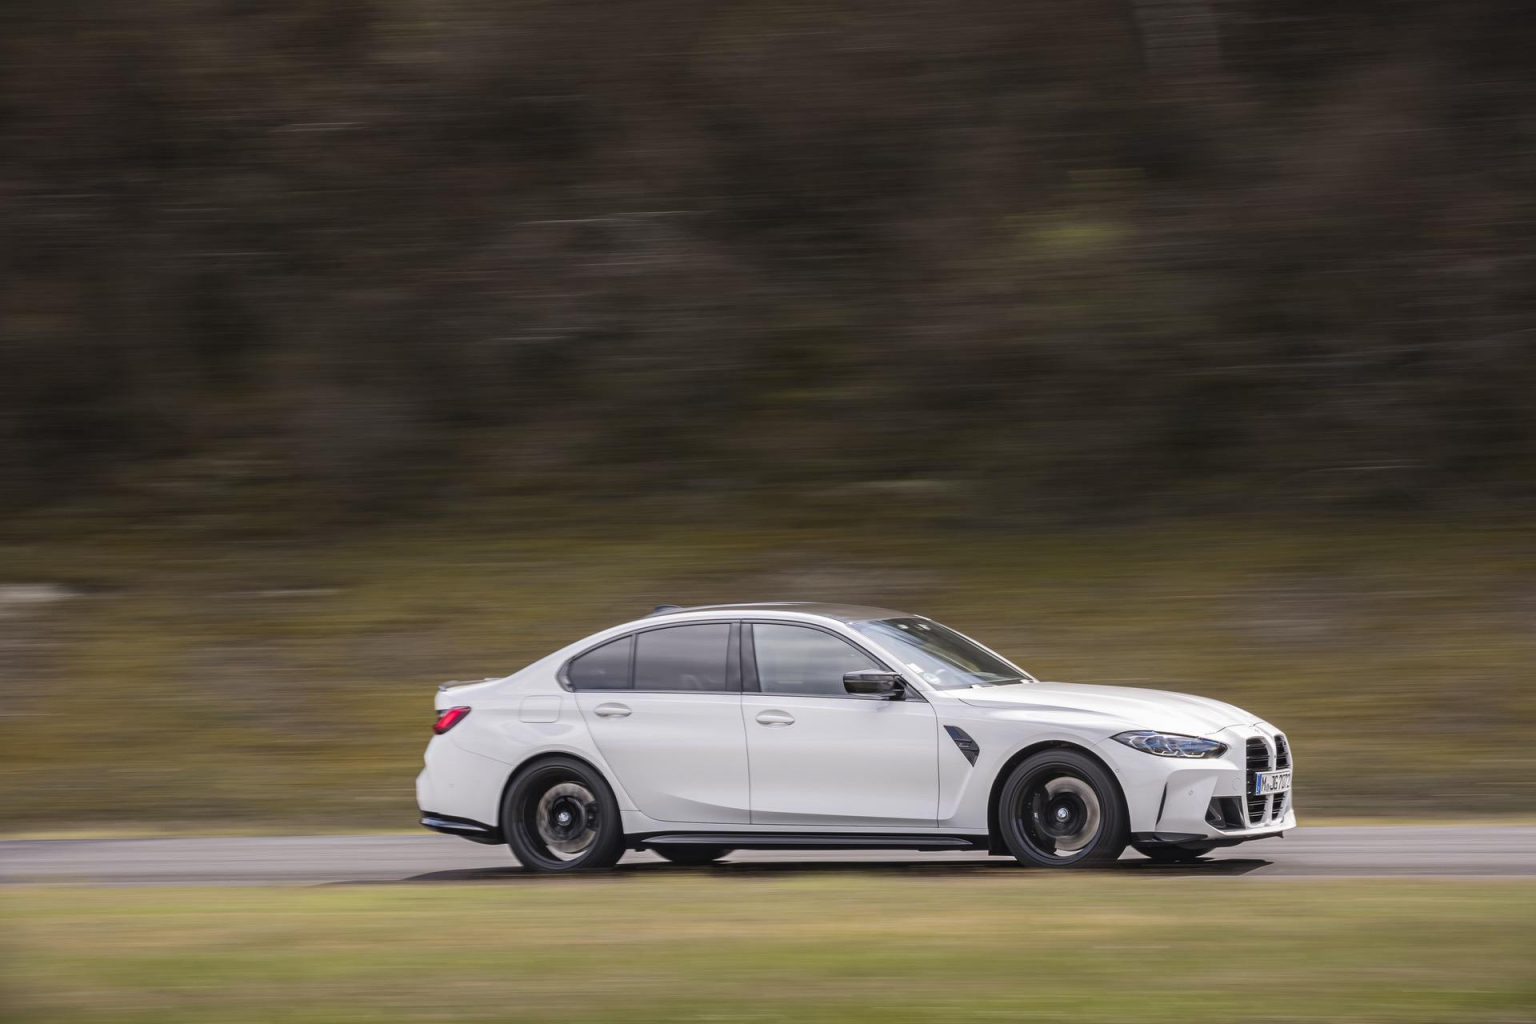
{"type": "Point", "coordinates": [870, 682]}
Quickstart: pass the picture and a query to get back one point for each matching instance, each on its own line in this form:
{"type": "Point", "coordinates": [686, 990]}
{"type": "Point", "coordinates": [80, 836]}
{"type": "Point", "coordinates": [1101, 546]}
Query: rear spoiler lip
{"type": "Point", "coordinates": [454, 684]}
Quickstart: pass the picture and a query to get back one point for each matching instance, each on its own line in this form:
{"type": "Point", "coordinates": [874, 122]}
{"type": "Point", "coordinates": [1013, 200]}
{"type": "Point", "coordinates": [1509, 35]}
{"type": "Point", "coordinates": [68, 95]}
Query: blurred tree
{"type": "Point", "coordinates": [1076, 255]}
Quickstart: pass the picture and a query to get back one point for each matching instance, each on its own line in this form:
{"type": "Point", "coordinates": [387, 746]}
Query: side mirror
{"type": "Point", "coordinates": [872, 682]}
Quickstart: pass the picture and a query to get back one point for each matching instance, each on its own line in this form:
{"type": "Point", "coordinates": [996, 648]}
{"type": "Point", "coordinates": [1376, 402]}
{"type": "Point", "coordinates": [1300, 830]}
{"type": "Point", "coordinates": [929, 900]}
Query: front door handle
{"type": "Point", "coordinates": [611, 711]}
{"type": "Point", "coordinates": [775, 718]}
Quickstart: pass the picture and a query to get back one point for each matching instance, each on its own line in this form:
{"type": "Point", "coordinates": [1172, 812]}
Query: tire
{"type": "Point", "coordinates": [691, 856]}
{"type": "Point", "coordinates": [1061, 809]}
{"type": "Point", "coordinates": [560, 816]}
{"type": "Point", "coordinates": [1172, 854]}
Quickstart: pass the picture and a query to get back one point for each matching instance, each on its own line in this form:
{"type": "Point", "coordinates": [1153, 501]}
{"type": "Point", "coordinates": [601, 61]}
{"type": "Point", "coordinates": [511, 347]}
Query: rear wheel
{"type": "Point", "coordinates": [1060, 808]}
{"type": "Point", "coordinates": [691, 856]}
{"type": "Point", "coordinates": [1172, 854]}
{"type": "Point", "coordinates": [560, 816]}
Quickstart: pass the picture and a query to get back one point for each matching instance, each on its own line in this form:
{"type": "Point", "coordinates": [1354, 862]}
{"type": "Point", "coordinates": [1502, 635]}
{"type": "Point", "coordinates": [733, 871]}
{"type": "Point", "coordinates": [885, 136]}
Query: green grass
{"type": "Point", "coordinates": [804, 949]}
{"type": "Point", "coordinates": [225, 678]}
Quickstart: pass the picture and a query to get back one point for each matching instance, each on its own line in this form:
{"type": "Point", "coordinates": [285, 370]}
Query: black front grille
{"type": "Point", "coordinates": [1258, 761]}
{"type": "Point", "coordinates": [1282, 760]}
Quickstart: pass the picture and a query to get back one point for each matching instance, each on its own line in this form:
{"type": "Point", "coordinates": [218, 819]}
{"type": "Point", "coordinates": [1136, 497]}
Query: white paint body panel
{"type": "Point", "coordinates": [682, 756]}
{"type": "Point", "coordinates": [842, 761]}
{"type": "Point", "coordinates": [845, 765]}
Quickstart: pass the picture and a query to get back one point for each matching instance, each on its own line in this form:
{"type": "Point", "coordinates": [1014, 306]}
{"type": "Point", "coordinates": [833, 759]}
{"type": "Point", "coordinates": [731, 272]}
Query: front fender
{"type": "Point", "coordinates": [965, 790]}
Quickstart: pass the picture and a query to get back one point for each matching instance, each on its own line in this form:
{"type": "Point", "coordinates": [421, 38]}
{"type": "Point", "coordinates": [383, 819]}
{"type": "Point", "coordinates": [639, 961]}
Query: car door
{"type": "Point", "coordinates": [821, 756]}
{"type": "Point", "coordinates": [664, 708]}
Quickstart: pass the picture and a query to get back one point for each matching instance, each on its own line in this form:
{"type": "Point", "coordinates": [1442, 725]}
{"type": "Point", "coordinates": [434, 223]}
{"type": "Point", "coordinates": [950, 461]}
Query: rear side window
{"type": "Point", "coordinates": [689, 658]}
{"type": "Point", "coordinates": [804, 662]}
{"type": "Point", "coordinates": [602, 668]}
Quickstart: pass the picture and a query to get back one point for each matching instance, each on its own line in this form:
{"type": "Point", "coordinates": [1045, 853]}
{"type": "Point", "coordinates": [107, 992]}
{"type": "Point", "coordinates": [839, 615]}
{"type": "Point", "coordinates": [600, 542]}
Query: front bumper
{"type": "Point", "coordinates": [1206, 802]}
{"type": "Point", "coordinates": [1212, 837]}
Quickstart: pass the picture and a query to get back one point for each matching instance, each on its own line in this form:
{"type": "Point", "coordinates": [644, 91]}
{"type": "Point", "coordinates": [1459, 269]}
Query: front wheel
{"type": "Point", "coordinates": [559, 816]}
{"type": "Point", "coordinates": [1059, 809]}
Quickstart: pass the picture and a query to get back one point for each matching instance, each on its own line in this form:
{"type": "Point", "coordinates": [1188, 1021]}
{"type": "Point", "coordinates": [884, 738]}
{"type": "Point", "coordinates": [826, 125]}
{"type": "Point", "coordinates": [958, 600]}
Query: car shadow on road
{"type": "Point", "coordinates": [1208, 868]}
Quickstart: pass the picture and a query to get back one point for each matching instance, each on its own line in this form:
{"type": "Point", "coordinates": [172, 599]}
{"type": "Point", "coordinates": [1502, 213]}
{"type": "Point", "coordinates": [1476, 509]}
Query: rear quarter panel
{"type": "Point", "coordinates": [513, 720]}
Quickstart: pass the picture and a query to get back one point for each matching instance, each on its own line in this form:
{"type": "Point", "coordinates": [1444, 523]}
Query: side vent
{"type": "Point", "coordinates": [963, 740]}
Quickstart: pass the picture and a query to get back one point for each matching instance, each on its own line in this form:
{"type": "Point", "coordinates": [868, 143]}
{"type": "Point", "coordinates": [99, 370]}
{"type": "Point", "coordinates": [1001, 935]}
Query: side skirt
{"type": "Point", "coordinates": [809, 841]}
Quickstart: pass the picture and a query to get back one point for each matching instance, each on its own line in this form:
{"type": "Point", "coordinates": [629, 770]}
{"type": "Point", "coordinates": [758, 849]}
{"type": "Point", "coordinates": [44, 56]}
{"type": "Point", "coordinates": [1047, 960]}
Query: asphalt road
{"type": "Point", "coordinates": [1388, 851]}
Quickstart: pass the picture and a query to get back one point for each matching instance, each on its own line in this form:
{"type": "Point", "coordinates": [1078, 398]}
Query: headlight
{"type": "Point", "coordinates": [1168, 744]}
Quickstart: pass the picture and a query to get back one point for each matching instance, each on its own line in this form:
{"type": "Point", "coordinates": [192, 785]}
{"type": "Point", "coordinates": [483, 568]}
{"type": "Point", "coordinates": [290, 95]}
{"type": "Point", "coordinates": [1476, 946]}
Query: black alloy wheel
{"type": "Point", "coordinates": [559, 815]}
{"type": "Point", "coordinates": [1061, 808]}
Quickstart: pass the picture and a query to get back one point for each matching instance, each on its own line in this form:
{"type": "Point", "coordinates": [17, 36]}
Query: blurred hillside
{"type": "Point", "coordinates": [1038, 256]}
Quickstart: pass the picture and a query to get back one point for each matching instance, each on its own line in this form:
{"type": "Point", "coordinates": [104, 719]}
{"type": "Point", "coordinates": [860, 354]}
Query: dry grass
{"type": "Point", "coordinates": [255, 682]}
{"type": "Point", "coordinates": [816, 948]}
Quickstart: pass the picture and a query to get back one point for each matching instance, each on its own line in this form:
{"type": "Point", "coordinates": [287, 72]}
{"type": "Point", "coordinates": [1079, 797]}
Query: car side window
{"type": "Point", "coordinates": [805, 662]}
{"type": "Point", "coordinates": [602, 668]}
{"type": "Point", "coordinates": [684, 658]}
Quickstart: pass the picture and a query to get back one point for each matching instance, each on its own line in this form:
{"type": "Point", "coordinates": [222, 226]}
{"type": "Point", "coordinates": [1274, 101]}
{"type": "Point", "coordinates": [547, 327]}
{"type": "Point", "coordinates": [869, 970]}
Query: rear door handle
{"type": "Point", "coordinates": [611, 711]}
{"type": "Point", "coordinates": [775, 718]}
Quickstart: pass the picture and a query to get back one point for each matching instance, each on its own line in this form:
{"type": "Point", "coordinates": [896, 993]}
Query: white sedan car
{"type": "Point", "coordinates": [695, 732]}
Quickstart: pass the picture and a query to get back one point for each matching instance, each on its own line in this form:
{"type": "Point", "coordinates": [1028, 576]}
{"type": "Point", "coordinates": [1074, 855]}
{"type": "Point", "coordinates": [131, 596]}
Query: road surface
{"type": "Point", "coordinates": [1385, 851]}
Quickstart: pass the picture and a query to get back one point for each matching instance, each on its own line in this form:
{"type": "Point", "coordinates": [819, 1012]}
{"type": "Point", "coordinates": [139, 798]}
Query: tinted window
{"type": "Point", "coordinates": [602, 668]}
{"type": "Point", "coordinates": [799, 660]}
{"type": "Point", "coordinates": [683, 658]}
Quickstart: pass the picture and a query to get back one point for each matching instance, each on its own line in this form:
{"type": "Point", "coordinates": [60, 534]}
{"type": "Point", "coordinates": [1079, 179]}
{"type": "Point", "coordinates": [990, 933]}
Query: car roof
{"type": "Point", "coordinates": [820, 609]}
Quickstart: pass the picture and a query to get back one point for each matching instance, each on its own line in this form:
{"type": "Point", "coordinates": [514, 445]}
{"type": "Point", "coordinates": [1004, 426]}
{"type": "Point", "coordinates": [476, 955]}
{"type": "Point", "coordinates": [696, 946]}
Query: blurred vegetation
{"type": "Point", "coordinates": [1119, 256]}
{"type": "Point", "coordinates": [881, 947]}
{"type": "Point", "coordinates": [170, 679]}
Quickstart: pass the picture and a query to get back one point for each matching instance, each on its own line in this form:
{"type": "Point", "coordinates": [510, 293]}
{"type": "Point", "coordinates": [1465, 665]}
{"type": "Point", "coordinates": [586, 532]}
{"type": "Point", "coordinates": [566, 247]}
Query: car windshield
{"type": "Point", "coordinates": [945, 659]}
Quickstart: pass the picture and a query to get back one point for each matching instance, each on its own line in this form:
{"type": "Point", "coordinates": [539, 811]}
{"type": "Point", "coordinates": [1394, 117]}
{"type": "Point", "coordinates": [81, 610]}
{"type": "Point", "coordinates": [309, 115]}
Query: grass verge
{"type": "Point", "coordinates": [809, 949]}
{"type": "Point", "coordinates": [236, 680]}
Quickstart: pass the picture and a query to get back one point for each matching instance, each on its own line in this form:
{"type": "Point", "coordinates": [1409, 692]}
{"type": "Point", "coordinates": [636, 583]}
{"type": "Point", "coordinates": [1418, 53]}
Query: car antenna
{"type": "Point", "coordinates": [664, 609]}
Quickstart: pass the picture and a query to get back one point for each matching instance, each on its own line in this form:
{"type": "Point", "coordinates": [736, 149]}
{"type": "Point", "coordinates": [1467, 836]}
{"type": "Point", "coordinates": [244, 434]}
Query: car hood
{"type": "Point", "coordinates": [1136, 708]}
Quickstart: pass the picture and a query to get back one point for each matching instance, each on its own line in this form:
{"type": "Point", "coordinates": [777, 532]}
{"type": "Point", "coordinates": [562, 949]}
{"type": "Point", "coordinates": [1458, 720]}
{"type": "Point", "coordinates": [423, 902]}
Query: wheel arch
{"type": "Point", "coordinates": [537, 759]}
{"type": "Point", "coordinates": [994, 835]}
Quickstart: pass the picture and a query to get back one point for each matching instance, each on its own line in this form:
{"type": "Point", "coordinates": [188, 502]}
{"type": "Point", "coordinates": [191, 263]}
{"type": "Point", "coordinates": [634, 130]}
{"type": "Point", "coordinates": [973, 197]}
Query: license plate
{"type": "Point", "coordinates": [1265, 783]}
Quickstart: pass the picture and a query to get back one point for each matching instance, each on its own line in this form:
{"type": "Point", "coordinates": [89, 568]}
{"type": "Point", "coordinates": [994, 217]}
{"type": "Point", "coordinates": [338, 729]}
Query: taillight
{"type": "Point", "coordinates": [448, 718]}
